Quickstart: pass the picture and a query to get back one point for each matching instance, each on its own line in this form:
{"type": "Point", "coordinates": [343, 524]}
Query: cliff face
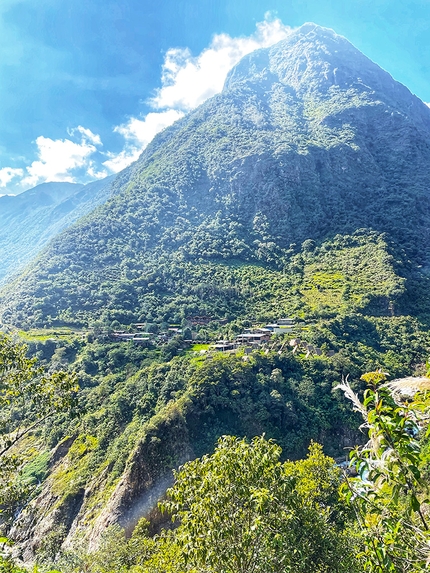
{"type": "Point", "coordinates": [93, 504]}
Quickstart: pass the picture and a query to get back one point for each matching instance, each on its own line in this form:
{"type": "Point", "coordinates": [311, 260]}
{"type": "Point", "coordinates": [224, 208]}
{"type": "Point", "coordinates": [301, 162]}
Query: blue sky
{"type": "Point", "coordinates": [85, 84]}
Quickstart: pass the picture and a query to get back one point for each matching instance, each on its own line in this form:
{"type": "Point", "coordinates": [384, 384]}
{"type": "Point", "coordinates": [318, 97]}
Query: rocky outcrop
{"type": "Point", "coordinates": [164, 446]}
{"type": "Point", "coordinates": [45, 513]}
{"type": "Point", "coordinates": [149, 473]}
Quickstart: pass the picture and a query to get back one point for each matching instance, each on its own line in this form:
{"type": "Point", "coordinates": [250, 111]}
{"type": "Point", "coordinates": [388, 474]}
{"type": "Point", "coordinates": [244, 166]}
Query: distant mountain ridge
{"type": "Point", "coordinates": [29, 220]}
{"type": "Point", "coordinates": [308, 139]}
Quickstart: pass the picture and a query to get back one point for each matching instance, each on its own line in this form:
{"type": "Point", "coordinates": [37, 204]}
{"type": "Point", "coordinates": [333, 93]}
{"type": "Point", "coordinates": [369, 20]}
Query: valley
{"type": "Point", "coordinates": [267, 247]}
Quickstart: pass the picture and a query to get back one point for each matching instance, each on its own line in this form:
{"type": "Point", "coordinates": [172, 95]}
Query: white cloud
{"type": "Point", "coordinates": [188, 81]}
{"type": "Point", "coordinates": [119, 161]}
{"type": "Point", "coordinates": [138, 133]}
{"type": "Point", "coordinates": [94, 173]}
{"type": "Point", "coordinates": [7, 174]}
{"type": "Point", "coordinates": [143, 131]}
{"type": "Point", "coordinates": [87, 134]}
{"type": "Point", "coordinates": [58, 158]}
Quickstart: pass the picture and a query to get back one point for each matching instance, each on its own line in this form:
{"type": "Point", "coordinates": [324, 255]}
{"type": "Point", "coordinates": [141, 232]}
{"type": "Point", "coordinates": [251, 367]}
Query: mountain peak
{"type": "Point", "coordinates": [311, 27]}
{"type": "Point", "coordinates": [315, 63]}
{"type": "Point", "coordinates": [309, 138]}
{"type": "Point", "coordinates": [310, 57]}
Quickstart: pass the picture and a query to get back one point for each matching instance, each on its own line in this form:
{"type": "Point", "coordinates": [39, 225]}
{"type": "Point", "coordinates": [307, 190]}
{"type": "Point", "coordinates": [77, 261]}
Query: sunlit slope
{"type": "Point", "coordinates": [308, 139]}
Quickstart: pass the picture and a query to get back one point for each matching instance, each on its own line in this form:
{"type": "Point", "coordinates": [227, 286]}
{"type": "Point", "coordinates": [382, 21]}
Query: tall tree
{"type": "Point", "coordinates": [242, 510]}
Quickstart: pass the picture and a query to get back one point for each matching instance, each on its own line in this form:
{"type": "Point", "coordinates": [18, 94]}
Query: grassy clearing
{"type": "Point", "coordinates": [199, 347]}
{"type": "Point", "coordinates": [44, 334]}
{"type": "Point", "coordinates": [193, 353]}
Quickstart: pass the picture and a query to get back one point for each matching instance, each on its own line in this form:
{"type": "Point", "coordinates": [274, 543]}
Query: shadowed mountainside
{"type": "Point", "coordinates": [29, 221]}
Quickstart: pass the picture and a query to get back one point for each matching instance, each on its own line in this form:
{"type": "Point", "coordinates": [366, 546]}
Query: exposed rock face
{"type": "Point", "coordinates": [46, 512]}
{"type": "Point", "coordinates": [147, 476]}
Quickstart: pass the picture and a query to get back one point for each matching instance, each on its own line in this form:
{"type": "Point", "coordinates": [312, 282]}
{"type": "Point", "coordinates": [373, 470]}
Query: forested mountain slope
{"type": "Point", "coordinates": [301, 190]}
{"type": "Point", "coordinates": [309, 138]}
{"type": "Point", "coordinates": [28, 221]}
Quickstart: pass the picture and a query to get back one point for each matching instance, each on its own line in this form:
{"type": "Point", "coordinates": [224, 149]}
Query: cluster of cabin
{"type": "Point", "coordinates": [250, 339]}
{"type": "Point", "coordinates": [145, 338]}
{"type": "Point", "coordinates": [255, 337]}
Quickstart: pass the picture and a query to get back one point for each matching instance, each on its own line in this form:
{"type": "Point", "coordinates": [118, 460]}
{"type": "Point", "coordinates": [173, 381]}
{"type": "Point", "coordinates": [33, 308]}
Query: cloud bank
{"type": "Point", "coordinates": [187, 81]}
{"type": "Point", "coordinates": [8, 173]}
{"type": "Point", "coordinates": [137, 134]}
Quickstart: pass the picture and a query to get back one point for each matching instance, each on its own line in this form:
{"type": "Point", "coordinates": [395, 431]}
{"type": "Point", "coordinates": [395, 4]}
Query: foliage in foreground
{"type": "Point", "coordinates": [242, 510]}
{"type": "Point", "coordinates": [390, 494]}
{"type": "Point", "coordinates": [28, 397]}
{"type": "Point", "coordinates": [239, 510]}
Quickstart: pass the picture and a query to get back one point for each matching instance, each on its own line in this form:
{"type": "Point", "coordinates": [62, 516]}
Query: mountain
{"type": "Point", "coordinates": [309, 138]}
{"type": "Point", "coordinates": [28, 221]}
{"type": "Point", "coordinates": [301, 190]}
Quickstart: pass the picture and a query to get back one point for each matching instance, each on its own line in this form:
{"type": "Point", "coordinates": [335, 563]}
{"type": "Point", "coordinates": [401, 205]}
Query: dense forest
{"type": "Point", "coordinates": [246, 505]}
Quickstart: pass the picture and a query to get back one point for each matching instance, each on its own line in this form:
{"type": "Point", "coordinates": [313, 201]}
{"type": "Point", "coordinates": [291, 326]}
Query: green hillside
{"type": "Point", "coordinates": [284, 154]}
{"type": "Point", "coordinates": [28, 221]}
{"type": "Point", "coordinates": [301, 192]}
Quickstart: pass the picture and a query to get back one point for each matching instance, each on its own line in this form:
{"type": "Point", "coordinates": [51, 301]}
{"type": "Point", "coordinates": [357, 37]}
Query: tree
{"type": "Point", "coordinates": [28, 397]}
{"type": "Point", "coordinates": [187, 333]}
{"type": "Point", "coordinates": [390, 494]}
{"type": "Point", "coordinates": [242, 510]}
